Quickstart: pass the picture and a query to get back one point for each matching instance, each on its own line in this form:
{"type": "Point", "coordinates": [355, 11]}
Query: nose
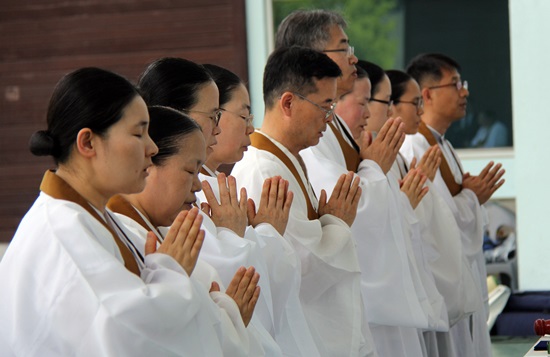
{"type": "Point", "coordinates": [420, 111]}
{"type": "Point", "coordinates": [196, 187]}
{"type": "Point", "coordinates": [390, 110]}
{"type": "Point", "coordinates": [151, 149]}
{"type": "Point", "coordinates": [216, 130]}
{"type": "Point", "coordinates": [464, 92]}
{"type": "Point", "coordinates": [250, 128]}
{"type": "Point", "coordinates": [353, 59]}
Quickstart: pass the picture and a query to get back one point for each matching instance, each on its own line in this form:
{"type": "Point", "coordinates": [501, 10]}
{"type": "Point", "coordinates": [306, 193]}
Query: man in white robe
{"type": "Point", "coordinates": [395, 299]}
{"type": "Point", "coordinates": [445, 99]}
{"type": "Point", "coordinates": [299, 90]}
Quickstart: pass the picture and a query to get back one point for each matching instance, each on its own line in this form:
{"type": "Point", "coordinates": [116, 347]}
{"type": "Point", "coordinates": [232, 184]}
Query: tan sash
{"type": "Point", "coordinates": [260, 142]}
{"type": "Point", "coordinates": [350, 154]}
{"type": "Point", "coordinates": [120, 205]}
{"type": "Point", "coordinates": [204, 172]}
{"type": "Point", "coordinates": [446, 172]}
{"type": "Point", "coordinates": [56, 187]}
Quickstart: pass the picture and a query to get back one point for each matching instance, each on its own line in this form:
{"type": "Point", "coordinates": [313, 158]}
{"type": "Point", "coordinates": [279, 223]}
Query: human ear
{"type": "Point", "coordinates": [84, 142]}
{"type": "Point", "coordinates": [286, 103]}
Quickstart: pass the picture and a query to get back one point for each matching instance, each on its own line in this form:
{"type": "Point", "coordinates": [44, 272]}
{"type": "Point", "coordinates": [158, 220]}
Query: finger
{"type": "Point", "coordinates": [497, 177]}
{"type": "Point", "coordinates": [497, 186]}
{"type": "Point", "coordinates": [150, 243]}
{"type": "Point", "coordinates": [492, 173]}
{"type": "Point", "coordinates": [251, 288]}
{"type": "Point", "coordinates": [354, 186]}
{"type": "Point", "coordinates": [232, 184]}
{"type": "Point", "coordinates": [185, 227]}
{"type": "Point", "coordinates": [205, 207]}
{"type": "Point", "coordinates": [288, 203]}
{"type": "Point", "coordinates": [254, 299]}
{"type": "Point", "coordinates": [356, 198]}
{"type": "Point", "coordinates": [266, 191]}
{"type": "Point", "coordinates": [346, 193]}
{"type": "Point", "coordinates": [422, 193]}
{"type": "Point", "coordinates": [196, 248]}
{"type": "Point", "coordinates": [251, 211]}
{"type": "Point", "coordinates": [209, 194]}
{"type": "Point", "coordinates": [243, 202]}
{"type": "Point", "coordinates": [233, 285]}
{"type": "Point", "coordinates": [214, 287]}
{"type": "Point", "coordinates": [412, 165]}
{"type": "Point", "coordinates": [244, 283]}
{"type": "Point", "coordinates": [385, 129]}
{"type": "Point", "coordinates": [338, 187]}
{"type": "Point", "coordinates": [281, 193]}
{"type": "Point", "coordinates": [397, 137]}
{"type": "Point", "coordinates": [322, 199]}
{"type": "Point", "coordinates": [485, 170]}
{"type": "Point", "coordinates": [273, 191]}
{"type": "Point", "coordinates": [175, 227]}
{"type": "Point", "coordinates": [224, 191]}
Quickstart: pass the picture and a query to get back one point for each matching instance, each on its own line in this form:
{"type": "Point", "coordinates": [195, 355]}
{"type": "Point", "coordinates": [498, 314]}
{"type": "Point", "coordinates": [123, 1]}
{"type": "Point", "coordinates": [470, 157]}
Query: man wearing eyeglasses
{"type": "Point", "coordinates": [445, 97]}
{"type": "Point", "coordinates": [299, 93]}
{"type": "Point", "coordinates": [392, 290]}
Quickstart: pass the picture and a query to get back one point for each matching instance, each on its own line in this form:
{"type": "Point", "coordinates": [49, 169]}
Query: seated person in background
{"type": "Point", "coordinates": [491, 132]}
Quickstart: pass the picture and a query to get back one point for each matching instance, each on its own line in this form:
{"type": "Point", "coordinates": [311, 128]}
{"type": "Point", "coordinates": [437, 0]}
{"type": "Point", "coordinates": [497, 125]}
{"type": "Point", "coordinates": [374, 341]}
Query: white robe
{"type": "Point", "coordinates": [470, 218]}
{"type": "Point", "coordinates": [395, 299]}
{"type": "Point", "coordinates": [260, 341]}
{"type": "Point", "coordinates": [66, 291]}
{"type": "Point", "coordinates": [282, 274]}
{"type": "Point", "coordinates": [330, 278]}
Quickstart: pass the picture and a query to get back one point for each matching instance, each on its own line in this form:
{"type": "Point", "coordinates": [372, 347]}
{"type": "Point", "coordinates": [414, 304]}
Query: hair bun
{"type": "Point", "coordinates": [42, 144]}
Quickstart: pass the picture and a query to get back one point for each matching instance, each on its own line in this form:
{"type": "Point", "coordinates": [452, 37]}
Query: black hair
{"type": "Point", "coordinates": [226, 81]}
{"type": "Point", "coordinates": [375, 73]}
{"type": "Point", "coordinates": [308, 28]}
{"type": "Point", "coordinates": [295, 69]}
{"type": "Point", "coordinates": [91, 98]}
{"type": "Point", "coordinates": [427, 67]}
{"type": "Point", "coordinates": [167, 127]}
{"type": "Point", "coordinates": [398, 80]}
{"type": "Point", "coordinates": [173, 82]}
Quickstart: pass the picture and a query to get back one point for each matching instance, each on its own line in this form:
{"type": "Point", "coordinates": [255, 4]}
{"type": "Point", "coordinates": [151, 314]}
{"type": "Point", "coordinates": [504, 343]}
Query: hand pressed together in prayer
{"type": "Point", "coordinates": [230, 212]}
{"type": "Point", "coordinates": [275, 203]}
{"type": "Point", "coordinates": [344, 199]}
{"type": "Point", "coordinates": [245, 291]}
{"type": "Point", "coordinates": [183, 241]}
{"type": "Point", "coordinates": [413, 186]}
{"type": "Point", "coordinates": [430, 161]}
{"type": "Point", "coordinates": [486, 183]}
{"type": "Point", "coordinates": [385, 146]}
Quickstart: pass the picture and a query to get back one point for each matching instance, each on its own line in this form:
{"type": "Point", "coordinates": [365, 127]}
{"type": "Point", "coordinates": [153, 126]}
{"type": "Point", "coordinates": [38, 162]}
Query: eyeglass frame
{"type": "Point", "coordinates": [458, 85]}
{"type": "Point", "coordinates": [217, 114]}
{"type": "Point", "coordinates": [328, 112]}
{"type": "Point", "coordinates": [389, 103]}
{"type": "Point", "coordinates": [419, 103]}
{"type": "Point", "coordinates": [350, 50]}
{"type": "Point", "coordinates": [247, 118]}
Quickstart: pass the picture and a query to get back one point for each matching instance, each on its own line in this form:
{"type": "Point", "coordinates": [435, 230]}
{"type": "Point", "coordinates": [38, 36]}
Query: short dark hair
{"type": "Point", "coordinates": [427, 67]}
{"type": "Point", "coordinates": [295, 69]}
{"type": "Point", "coordinates": [226, 81]}
{"type": "Point", "coordinates": [308, 28]}
{"type": "Point", "coordinates": [375, 73]}
{"type": "Point", "coordinates": [167, 127]}
{"type": "Point", "coordinates": [398, 80]}
{"type": "Point", "coordinates": [173, 82]}
{"type": "Point", "coordinates": [89, 97]}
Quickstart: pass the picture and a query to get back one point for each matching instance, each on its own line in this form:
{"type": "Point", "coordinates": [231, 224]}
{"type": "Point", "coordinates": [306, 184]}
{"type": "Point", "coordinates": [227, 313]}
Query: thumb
{"type": "Point", "coordinates": [214, 287]}
{"type": "Point", "coordinates": [150, 243]}
{"type": "Point", "coordinates": [323, 198]}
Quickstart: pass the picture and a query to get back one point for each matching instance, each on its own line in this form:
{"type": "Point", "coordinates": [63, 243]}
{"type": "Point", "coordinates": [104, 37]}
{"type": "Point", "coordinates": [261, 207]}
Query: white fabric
{"type": "Point", "coordinates": [330, 289]}
{"type": "Point", "coordinates": [395, 299]}
{"type": "Point", "coordinates": [65, 291]}
{"type": "Point", "coordinates": [471, 219]}
{"type": "Point", "coordinates": [278, 265]}
{"type": "Point", "coordinates": [260, 341]}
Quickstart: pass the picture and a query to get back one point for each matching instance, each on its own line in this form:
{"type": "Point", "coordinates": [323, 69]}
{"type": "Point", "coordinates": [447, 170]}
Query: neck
{"type": "Point", "coordinates": [435, 122]}
{"type": "Point", "coordinates": [275, 128]}
{"type": "Point", "coordinates": [81, 184]}
{"type": "Point", "coordinates": [212, 164]}
{"type": "Point", "coordinates": [136, 202]}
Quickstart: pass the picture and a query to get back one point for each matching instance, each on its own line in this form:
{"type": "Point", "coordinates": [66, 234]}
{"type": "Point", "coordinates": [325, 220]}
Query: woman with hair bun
{"type": "Point", "coordinates": [72, 281]}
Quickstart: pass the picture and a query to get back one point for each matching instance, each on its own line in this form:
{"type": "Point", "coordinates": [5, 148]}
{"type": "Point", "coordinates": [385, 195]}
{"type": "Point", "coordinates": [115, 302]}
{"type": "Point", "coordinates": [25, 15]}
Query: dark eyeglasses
{"type": "Point", "coordinates": [247, 118]}
{"type": "Point", "coordinates": [458, 85]}
{"type": "Point", "coordinates": [214, 116]}
{"type": "Point", "coordinates": [389, 103]}
{"type": "Point", "coordinates": [418, 102]}
{"type": "Point", "coordinates": [349, 50]}
{"type": "Point", "coordinates": [328, 112]}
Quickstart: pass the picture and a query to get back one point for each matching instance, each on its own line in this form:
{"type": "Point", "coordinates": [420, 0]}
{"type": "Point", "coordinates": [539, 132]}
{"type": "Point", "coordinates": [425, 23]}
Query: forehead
{"type": "Point", "coordinates": [337, 36]}
{"type": "Point", "coordinates": [326, 88]}
{"type": "Point", "coordinates": [449, 74]}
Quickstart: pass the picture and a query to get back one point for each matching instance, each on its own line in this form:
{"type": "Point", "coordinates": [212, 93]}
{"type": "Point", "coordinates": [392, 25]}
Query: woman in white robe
{"type": "Point", "coordinates": [73, 283]}
{"type": "Point", "coordinates": [170, 188]}
{"type": "Point", "coordinates": [189, 87]}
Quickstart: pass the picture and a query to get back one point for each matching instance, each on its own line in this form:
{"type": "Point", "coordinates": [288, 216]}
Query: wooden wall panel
{"type": "Point", "coordinates": [43, 40]}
